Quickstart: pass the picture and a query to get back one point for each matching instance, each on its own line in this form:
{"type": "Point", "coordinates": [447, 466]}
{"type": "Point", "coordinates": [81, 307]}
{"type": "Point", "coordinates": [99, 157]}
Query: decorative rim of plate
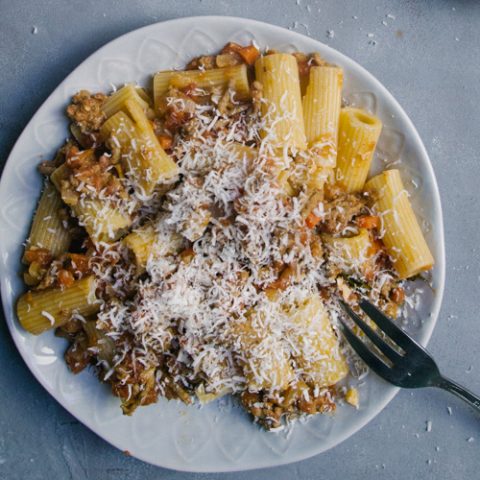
{"type": "Point", "coordinates": [237, 23]}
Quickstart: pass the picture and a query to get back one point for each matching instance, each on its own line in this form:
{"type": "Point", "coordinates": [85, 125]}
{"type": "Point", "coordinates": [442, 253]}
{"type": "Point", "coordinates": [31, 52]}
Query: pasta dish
{"type": "Point", "coordinates": [193, 240]}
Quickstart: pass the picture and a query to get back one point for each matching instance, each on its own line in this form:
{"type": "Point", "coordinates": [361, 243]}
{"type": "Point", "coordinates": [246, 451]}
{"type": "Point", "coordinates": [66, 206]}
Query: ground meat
{"type": "Point", "coordinates": [239, 54]}
{"type": "Point", "coordinates": [397, 295]}
{"type": "Point", "coordinates": [228, 106]}
{"type": "Point", "coordinates": [269, 410]}
{"type": "Point", "coordinates": [47, 167]}
{"type": "Point", "coordinates": [42, 256]}
{"type": "Point", "coordinates": [180, 109]}
{"type": "Point", "coordinates": [229, 59]}
{"type": "Point", "coordinates": [89, 171]}
{"type": "Point", "coordinates": [86, 112]}
{"type": "Point", "coordinates": [317, 60]}
{"type": "Point", "coordinates": [303, 63]}
{"type": "Point", "coordinates": [231, 54]}
{"type": "Point", "coordinates": [63, 271]}
{"type": "Point", "coordinates": [77, 355]}
{"type": "Point", "coordinates": [134, 382]}
{"type": "Point", "coordinates": [206, 62]}
{"type": "Point", "coordinates": [340, 210]}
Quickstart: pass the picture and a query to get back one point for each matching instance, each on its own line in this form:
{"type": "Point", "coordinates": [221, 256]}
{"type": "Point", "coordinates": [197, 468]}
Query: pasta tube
{"type": "Point", "coordinates": [205, 397]}
{"type": "Point", "coordinates": [357, 138]}
{"type": "Point", "coordinates": [307, 172]}
{"type": "Point", "coordinates": [321, 111]}
{"type": "Point", "coordinates": [266, 364]}
{"type": "Point", "coordinates": [143, 158]}
{"type": "Point", "coordinates": [242, 152]}
{"type": "Point", "coordinates": [144, 95]}
{"type": "Point", "coordinates": [146, 241]}
{"type": "Point", "coordinates": [42, 310]}
{"type": "Point", "coordinates": [48, 230]}
{"type": "Point", "coordinates": [140, 242]}
{"type": "Point", "coordinates": [100, 218]}
{"type": "Point", "coordinates": [235, 76]}
{"type": "Point", "coordinates": [116, 102]}
{"type": "Point", "coordinates": [351, 254]}
{"type": "Point", "coordinates": [402, 235]}
{"type": "Point", "coordinates": [315, 346]}
{"type": "Point", "coordinates": [282, 102]}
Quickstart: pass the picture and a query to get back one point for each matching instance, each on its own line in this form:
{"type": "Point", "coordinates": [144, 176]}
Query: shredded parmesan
{"type": "Point", "coordinates": [49, 317]}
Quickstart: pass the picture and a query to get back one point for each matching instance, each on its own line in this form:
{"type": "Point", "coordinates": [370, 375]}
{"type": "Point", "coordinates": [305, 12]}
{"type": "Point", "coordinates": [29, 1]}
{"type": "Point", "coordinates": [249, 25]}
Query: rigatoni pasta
{"type": "Point", "coordinates": [46, 309]}
{"type": "Point", "coordinates": [147, 241]}
{"type": "Point", "coordinates": [266, 360]}
{"type": "Point", "coordinates": [358, 135]}
{"type": "Point", "coordinates": [316, 347]}
{"type": "Point", "coordinates": [235, 76]}
{"type": "Point", "coordinates": [49, 230]}
{"type": "Point", "coordinates": [352, 254]}
{"type": "Point", "coordinates": [321, 111]}
{"type": "Point", "coordinates": [282, 103]}
{"type": "Point", "coordinates": [140, 242]}
{"type": "Point", "coordinates": [143, 158]}
{"type": "Point", "coordinates": [117, 101]}
{"type": "Point", "coordinates": [401, 232]}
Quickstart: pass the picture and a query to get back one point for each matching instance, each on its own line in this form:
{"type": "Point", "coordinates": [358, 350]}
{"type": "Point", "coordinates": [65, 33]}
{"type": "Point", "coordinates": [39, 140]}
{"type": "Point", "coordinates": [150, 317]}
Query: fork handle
{"type": "Point", "coordinates": [459, 391]}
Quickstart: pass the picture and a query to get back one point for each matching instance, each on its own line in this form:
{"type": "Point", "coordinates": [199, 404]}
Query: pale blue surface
{"type": "Point", "coordinates": [428, 56]}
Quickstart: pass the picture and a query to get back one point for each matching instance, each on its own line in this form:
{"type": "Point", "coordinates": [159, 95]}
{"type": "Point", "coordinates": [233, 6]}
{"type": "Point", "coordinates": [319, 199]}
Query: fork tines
{"type": "Point", "coordinates": [386, 367]}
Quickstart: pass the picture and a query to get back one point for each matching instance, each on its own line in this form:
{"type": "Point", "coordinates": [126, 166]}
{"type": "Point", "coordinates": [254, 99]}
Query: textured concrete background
{"type": "Point", "coordinates": [427, 53]}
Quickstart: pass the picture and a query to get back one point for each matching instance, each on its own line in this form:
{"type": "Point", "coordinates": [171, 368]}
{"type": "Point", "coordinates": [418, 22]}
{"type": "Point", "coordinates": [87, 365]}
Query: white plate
{"type": "Point", "coordinates": [219, 437]}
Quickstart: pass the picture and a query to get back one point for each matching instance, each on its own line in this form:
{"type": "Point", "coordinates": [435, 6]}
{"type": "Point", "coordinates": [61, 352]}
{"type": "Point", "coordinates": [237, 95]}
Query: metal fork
{"type": "Point", "coordinates": [413, 367]}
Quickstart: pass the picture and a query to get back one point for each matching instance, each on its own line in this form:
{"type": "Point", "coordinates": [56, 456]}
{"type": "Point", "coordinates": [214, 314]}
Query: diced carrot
{"type": "Point", "coordinates": [312, 220]}
{"type": "Point", "coordinates": [249, 54]}
{"type": "Point", "coordinates": [376, 246]}
{"type": "Point", "coordinates": [368, 221]}
{"type": "Point", "coordinates": [165, 141]}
